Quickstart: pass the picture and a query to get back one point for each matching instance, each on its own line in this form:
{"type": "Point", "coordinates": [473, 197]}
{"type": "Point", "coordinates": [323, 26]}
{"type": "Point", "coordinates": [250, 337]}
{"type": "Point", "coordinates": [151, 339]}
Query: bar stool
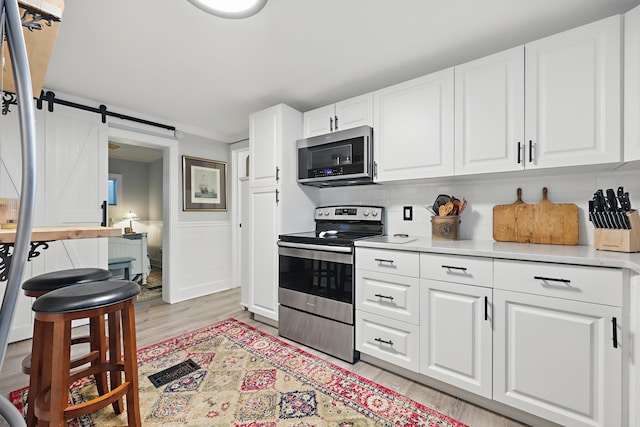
{"type": "Point", "coordinates": [54, 313]}
{"type": "Point", "coordinates": [47, 282]}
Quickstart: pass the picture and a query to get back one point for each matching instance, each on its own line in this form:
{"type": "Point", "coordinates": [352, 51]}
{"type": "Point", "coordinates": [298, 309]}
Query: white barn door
{"type": "Point", "coordinates": [75, 184]}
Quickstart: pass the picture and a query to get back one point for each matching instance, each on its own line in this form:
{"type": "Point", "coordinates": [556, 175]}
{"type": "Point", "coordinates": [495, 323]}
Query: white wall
{"type": "Point", "coordinates": [482, 193]}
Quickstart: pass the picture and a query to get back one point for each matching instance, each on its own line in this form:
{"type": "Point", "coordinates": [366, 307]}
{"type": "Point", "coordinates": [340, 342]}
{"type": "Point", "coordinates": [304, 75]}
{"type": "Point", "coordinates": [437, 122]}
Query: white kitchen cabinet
{"type": "Point", "coordinates": [264, 227]}
{"type": "Point", "coordinates": [571, 84]}
{"type": "Point", "coordinates": [277, 203]}
{"type": "Point", "coordinates": [347, 114]}
{"type": "Point", "coordinates": [573, 96]}
{"type": "Point", "coordinates": [456, 321]}
{"type": "Point", "coordinates": [632, 85]}
{"type": "Point", "coordinates": [413, 124]}
{"type": "Point", "coordinates": [387, 305]}
{"type": "Point", "coordinates": [558, 347]}
{"type": "Point", "coordinates": [265, 134]}
{"type": "Point", "coordinates": [489, 113]}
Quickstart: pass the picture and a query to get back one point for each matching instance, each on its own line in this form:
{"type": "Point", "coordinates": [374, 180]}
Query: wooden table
{"type": "Point", "coordinates": [41, 236]}
{"type": "Point", "coordinates": [49, 234]}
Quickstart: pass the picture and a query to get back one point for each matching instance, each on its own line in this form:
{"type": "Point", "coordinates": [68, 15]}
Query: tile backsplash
{"type": "Point", "coordinates": [482, 193]}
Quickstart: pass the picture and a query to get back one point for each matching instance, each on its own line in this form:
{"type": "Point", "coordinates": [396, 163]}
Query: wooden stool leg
{"type": "Point", "coordinates": [35, 373]}
{"type": "Point", "coordinates": [131, 364]}
{"type": "Point", "coordinates": [115, 357]}
{"type": "Point", "coordinates": [60, 366]}
{"type": "Point", "coordinates": [97, 336]}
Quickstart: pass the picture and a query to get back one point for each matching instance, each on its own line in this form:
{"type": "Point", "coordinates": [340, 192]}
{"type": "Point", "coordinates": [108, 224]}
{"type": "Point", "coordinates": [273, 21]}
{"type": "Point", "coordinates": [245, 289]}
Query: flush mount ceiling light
{"type": "Point", "coordinates": [233, 9]}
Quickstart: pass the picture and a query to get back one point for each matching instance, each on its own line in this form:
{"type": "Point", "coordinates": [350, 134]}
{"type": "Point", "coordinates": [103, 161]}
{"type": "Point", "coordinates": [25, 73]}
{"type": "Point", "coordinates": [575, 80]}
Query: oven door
{"type": "Point", "coordinates": [317, 281]}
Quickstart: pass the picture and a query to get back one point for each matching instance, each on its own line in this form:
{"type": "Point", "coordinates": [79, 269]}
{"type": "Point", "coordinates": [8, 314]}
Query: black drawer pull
{"type": "Point", "coordinates": [486, 308]}
{"type": "Point", "coordinates": [551, 279]}
{"type": "Point", "coordinates": [382, 261]}
{"type": "Point", "coordinates": [614, 321]}
{"type": "Point", "coordinates": [384, 296]}
{"type": "Point", "coordinates": [381, 341]}
{"type": "Point", "coordinates": [453, 267]}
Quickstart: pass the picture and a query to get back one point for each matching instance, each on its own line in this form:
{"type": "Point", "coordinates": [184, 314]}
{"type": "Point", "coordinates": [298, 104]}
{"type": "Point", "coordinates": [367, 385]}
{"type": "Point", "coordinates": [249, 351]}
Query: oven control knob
{"type": "Point", "coordinates": [374, 213]}
{"type": "Point", "coordinates": [366, 212]}
{"type": "Point", "coordinates": [320, 213]}
{"type": "Point", "coordinates": [326, 213]}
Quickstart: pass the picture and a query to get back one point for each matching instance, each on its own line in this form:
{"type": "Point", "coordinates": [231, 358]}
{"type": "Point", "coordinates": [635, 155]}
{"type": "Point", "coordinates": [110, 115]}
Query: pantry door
{"type": "Point", "coordinates": [75, 185]}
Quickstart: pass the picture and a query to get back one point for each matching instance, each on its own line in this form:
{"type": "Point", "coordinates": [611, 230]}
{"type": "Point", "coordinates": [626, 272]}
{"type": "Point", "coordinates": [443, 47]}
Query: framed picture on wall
{"type": "Point", "coordinates": [204, 184]}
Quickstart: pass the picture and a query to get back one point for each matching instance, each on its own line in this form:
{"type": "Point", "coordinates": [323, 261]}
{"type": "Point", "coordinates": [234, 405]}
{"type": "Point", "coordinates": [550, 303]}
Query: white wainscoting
{"type": "Point", "coordinates": [204, 258]}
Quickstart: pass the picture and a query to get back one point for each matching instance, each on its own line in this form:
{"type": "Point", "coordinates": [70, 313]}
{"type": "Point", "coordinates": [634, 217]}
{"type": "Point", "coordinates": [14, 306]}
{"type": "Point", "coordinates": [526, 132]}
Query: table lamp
{"type": "Point", "coordinates": [130, 216]}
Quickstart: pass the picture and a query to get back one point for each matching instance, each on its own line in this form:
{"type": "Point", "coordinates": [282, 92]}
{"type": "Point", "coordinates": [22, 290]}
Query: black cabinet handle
{"type": "Point", "coordinates": [453, 267]}
{"type": "Point", "coordinates": [384, 296]}
{"type": "Point", "coordinates": [382, 261]}
{"type": "Point", "coordinates": [104, 214]}
{"type": "Point", "coordinates": [336, 118]}
{"type": "Point", "coordinates": [614, 321]}
{"type": "Point", "coordinates": [380, 340]}
{"type": "Point", "coordinates": [277, 174]}
{"type": "Point", "coordinates": [551, 279]}
{"type": "Point", "coordinates": [277, 196]}
{"type": "Point", "coordinates": [486, 308]}
{"type": "Point", "coordinates": [530, 151]}
{"type": "Point", "coordinates": [519, 151]}
{"type": "Point", "coordinates": [331, 124]}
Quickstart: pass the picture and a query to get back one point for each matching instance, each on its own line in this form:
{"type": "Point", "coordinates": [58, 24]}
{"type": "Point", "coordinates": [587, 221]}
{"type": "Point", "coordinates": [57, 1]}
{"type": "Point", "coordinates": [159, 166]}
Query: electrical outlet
{"type": "Point", "coordinates": [408, 213]}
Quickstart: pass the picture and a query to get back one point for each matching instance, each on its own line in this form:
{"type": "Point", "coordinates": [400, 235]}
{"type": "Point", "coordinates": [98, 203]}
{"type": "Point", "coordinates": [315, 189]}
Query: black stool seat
{"type": "Point", "coordinates": [86, 296]}
{"type": "Point", "coordinates": [57, 279]}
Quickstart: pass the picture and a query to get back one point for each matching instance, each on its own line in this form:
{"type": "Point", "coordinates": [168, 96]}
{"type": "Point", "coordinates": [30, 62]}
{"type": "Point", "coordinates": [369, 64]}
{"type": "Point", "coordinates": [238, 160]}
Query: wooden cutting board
{"type": "Point", "coordinates": [504, 220]}
{"type": "Point", "coordinates": [546, 222]}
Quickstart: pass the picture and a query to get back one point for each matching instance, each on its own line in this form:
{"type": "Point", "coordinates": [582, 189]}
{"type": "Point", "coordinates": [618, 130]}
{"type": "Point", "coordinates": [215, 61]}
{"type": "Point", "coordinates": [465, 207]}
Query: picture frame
{"type": "Point", "coordinates": [204, 184]}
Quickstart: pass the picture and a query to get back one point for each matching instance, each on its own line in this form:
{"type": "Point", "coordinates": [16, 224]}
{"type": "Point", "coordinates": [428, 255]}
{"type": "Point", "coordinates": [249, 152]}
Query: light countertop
{"type": "Point", "coordinates": [581, 255]}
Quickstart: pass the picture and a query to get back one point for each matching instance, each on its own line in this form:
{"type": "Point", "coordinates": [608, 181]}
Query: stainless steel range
{"type": "Point", "coordinates": [317, 283]}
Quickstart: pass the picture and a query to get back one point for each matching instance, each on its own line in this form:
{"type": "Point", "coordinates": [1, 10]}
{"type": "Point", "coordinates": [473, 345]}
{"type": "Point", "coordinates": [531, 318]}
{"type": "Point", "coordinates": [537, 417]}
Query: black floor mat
{"type": "Point", "coordinates": [173, 373]}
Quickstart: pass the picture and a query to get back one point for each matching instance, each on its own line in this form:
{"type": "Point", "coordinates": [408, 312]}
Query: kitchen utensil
{"type": "Point", "coordinates": [441, 200]}
{"type": "Point", "coordinates": [547, 222]}
{"type": "Point", "coordinates": [504, 219]}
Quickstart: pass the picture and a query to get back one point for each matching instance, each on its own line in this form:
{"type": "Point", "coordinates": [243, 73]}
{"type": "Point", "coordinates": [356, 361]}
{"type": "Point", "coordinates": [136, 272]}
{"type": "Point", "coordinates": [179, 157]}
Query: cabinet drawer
{"type": "Point", "coordinates": [467, 270]}
{"type": "Point", "coordinates": [389, 295]}
{"type": "Point", "coordinates": [598, 285]}
{"type": "Point", "coordinates": [387, 339]}
{"type": "Point", "coordinates": [384, 261]}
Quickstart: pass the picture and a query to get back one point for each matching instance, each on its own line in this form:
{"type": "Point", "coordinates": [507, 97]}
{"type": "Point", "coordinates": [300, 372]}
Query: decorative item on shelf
{"type": "Point", "coordinates": [130, 216]}
{"type": "Point", "coordinates": [9, 209]}
{"type": "Point", "coordinates": [445, 219]}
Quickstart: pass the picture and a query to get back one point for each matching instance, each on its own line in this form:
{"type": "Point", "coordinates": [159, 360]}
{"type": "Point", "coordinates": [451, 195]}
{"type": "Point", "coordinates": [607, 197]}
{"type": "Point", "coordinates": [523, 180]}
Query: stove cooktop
{"type": "Point", "coordinates": [328, 237]}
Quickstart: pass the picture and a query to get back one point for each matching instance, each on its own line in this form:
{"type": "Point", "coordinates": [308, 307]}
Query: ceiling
{"type": "Point", "coordinates": [171, 62]}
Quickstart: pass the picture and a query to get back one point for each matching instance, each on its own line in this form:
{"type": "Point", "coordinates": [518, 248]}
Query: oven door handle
{"type": "Point", "coordinates": [327, 248]}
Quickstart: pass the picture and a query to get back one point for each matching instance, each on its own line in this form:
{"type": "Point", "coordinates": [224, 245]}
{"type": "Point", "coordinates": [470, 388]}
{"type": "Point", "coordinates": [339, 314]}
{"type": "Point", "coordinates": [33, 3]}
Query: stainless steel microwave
{"type": "Point", "coordinates": [337, 159]}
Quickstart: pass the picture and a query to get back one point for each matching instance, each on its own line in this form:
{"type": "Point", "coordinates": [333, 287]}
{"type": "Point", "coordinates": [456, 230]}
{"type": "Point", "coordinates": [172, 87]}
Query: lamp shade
{"type": "Point", "coordinates": [130, 216]}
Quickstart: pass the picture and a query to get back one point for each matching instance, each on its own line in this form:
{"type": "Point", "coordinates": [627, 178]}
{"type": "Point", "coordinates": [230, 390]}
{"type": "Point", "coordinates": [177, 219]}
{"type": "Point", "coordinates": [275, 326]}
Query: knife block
{"type": "Point", "coordinates": [620, 240]}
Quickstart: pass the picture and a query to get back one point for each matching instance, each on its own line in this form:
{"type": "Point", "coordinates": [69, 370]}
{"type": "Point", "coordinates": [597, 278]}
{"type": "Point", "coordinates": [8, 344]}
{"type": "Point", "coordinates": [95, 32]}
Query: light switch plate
{"type": "Point", "coordinates": [407, 213]}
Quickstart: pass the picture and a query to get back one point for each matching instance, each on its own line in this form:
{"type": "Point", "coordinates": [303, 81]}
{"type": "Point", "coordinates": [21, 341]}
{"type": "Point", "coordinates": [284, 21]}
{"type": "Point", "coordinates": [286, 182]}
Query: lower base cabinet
{"type": "Point", "coordinates": [456, 335]}
{"type": "Point", "coordinates": [549, 339]}
{"type": "Point", "coordinates": [558, 359]}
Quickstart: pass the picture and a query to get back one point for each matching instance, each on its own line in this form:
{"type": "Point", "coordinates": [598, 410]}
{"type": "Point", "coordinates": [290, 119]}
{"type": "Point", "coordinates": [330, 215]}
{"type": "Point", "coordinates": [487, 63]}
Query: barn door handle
{"type": "Point", "coordinates": [104, 214]}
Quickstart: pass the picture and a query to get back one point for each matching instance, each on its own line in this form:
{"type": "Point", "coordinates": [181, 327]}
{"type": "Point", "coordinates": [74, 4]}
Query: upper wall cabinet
{"type": "Point", "coordinates": [489, 125]}
{"type": "Point", "coordinates": [351, 113]}
{"type": "Point", "coordinates": [413, 124]}
{"type": "Point", "coordinates": [632, 85]}
{"type": "Point", "coordinates": [573, 96]}
{"type": "Point", "coordinates": [571, 84]}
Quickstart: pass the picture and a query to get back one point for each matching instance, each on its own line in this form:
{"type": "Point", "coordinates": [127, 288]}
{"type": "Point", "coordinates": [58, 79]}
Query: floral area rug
{"type": "Point", "coordinates": [248, 378]}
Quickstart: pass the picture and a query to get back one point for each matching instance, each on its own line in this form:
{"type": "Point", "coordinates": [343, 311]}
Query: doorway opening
{"type": "Point", "coordinates": [136, 205]}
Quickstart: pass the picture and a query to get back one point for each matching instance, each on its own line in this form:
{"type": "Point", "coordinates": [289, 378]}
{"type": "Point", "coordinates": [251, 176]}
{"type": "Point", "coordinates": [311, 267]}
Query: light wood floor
{"type": "Point", "coordinates": [156, 321]}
